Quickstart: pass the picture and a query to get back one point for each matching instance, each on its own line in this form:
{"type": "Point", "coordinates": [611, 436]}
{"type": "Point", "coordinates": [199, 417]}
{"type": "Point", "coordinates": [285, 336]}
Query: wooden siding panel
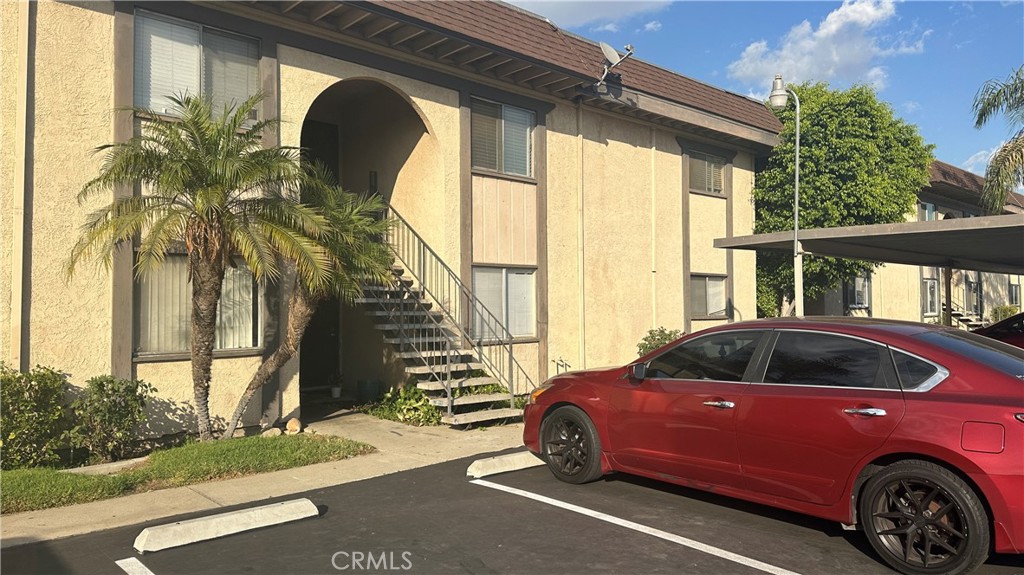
{"type": "Point", "coordinates": [504, 221]}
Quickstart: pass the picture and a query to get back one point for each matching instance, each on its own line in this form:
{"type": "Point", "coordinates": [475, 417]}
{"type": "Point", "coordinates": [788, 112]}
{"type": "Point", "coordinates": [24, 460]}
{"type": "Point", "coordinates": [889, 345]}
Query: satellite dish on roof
{"type": "Point", "coordinates": [610, 54]}
{"type": "Point", "coordinates": [612, 59]}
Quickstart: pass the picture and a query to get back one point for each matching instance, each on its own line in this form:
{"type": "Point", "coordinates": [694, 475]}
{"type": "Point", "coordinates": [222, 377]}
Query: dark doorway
{"type": "Point", "coordinates": [320, 359]}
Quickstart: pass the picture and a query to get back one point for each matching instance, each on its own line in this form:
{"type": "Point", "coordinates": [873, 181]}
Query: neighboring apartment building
{"type": "Point", "coordinates": [919, 293]}
{"type": "Point", "coordinates": [581, 215]}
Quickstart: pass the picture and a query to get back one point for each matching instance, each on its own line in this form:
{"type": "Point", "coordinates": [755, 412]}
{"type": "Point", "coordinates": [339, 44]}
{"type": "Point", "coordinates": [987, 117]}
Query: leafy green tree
{"type": "Point", "coordinates": [859, 164]}
{"type": "Point", "coordinates": [357, 255]}
{"type": "Point", "coordinates": [212, 190]}
{"type": "Point", "coordinates": [1005, 169]}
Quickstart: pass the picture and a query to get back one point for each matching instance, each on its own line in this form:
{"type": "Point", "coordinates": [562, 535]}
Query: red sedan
{"type": "Point", "coordinates": [1010, 330]}
{"type": "Point", "coordinates": [913, 432]}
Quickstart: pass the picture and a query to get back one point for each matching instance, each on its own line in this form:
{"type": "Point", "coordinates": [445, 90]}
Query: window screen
{"type": "Point", "coordinates": [167, 61]}
{"type": "Point", "coordinates": [707, 296]}
{"type": "Point", "coordinates": [502, 138]}
{"type": "Point", "coordinates": [230, 69]}
{"type": "Point", "coordinates": [706, 173]}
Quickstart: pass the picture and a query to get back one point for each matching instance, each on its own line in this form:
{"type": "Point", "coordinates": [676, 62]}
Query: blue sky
{"type": "Point", "coordinates": [926, 59]}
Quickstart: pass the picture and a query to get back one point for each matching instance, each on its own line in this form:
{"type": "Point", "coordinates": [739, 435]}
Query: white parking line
{"type": "Point", "coordinates": [133, 566]}
{"type": "Point", "coordinates": [754, 563]}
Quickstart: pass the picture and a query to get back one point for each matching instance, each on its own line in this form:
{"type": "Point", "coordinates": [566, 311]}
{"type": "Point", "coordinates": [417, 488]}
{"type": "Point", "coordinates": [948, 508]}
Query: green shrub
{"type": "Point", "coordinates": [108, 414]}
{"type": "Point", "coordinates": [33, 421]}
{"type": "Point", "coordinates": [406, 405]}
{"type": "Point", "coordinates": [656, 338]}
{"type": "Point", "coordinates": [1001, 312]}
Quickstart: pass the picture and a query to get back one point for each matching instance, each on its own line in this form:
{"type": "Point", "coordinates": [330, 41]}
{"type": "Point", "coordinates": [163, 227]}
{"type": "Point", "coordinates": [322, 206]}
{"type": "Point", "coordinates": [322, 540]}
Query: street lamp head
{"type": "Point", "coordinates": [778, 98]}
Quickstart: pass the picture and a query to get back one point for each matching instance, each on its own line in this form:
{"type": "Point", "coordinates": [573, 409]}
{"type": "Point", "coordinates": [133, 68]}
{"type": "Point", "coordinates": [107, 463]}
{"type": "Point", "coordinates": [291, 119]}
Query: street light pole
{"type": "Point", "coordinates": [777, 100]}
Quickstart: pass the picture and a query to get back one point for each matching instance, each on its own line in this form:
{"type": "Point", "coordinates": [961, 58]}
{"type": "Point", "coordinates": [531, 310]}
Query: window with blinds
{"type": "Point", "coordinates": [502, 138]}
{"type": "Point", "coordinates": [706, 173]}
{"type": "Point", "coordinates": [707, 296]}
{"type": "Point", "coordinates": [509, 294]}
{"type": "Point", "coordinates": [164, 311]}
{"type": "Point", "coordinates": [173, 57]}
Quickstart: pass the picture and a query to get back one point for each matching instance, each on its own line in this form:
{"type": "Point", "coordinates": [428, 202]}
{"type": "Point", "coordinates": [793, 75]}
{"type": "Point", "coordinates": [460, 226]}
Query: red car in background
{"type": "Point", "coordinates": [1010, 330]}
{"type": "Point", "coordinates": [913, 432]}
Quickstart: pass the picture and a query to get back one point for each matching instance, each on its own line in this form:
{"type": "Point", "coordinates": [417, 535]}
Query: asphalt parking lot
{"type": "Point", "coordinates": [433, 520]}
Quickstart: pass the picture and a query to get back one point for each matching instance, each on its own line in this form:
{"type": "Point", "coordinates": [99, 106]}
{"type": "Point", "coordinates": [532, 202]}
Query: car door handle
{"type": "Point", "coordinates": [868, 411]}
{"type": "Point", "coordinates": [720, 404]}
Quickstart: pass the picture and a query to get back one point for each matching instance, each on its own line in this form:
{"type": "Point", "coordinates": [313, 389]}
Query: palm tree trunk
{"type": "Point", "coordinates": [301, 307]}
{"type": "Point", "coordinates": [206, 287]}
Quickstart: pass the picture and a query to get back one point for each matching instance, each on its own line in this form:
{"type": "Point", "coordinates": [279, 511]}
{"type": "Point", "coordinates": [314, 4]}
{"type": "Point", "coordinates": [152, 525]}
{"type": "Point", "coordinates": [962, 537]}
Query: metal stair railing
{"type": "Point", "coordinates": [491, 340]}
{"type": "Point", "coordinates": [958, 311]}
{"type": "Point", "coordinates": [419, 338]}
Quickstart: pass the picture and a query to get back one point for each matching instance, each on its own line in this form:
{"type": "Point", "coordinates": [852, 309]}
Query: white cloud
{"type": "Point", "coordinates": [846, 47]}
{"type": "Point", "coordinates": [910, 106]}
{"type": "Point", "coordinates": [652, 26]}
{"type": "Point", "coordinates": [609, 27]}
{"type": "Point", "coordinates": [979, 160]}
{"type": "Point", "coordinates": [577, 13]}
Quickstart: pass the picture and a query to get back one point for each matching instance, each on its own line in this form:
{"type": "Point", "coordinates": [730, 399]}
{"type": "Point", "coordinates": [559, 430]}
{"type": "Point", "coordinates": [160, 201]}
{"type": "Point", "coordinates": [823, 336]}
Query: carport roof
{"type": "Point", "coordinates": [989, 244]}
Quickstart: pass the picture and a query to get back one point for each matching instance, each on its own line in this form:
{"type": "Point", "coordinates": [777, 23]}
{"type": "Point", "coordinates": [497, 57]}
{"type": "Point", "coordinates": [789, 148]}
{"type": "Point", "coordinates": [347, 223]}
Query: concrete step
{"type": "Point", "coordinates": [470, 399]}
{"type": "Point", "coordinates": [457, 384]}
{"type": "Point", "coordinates": [456, 368]}
{"type": "Point", "coordinates": [408, 327]}
{"type": "Point", "coordinates": [434, 353]}
{"type": "Point", "coordinates": [391, 291]}
{"type": "Point", "coordinates": [478, 416]}
{"type": "Point", "coordinates": [393, 302]}
{"type": "Point", "coordinates": [403, 313]}
{"type": "Point", "coordinates": [417, 341]}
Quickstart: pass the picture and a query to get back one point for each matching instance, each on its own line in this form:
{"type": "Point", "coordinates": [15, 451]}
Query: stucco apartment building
{"type": "Point", "coordinates": [581, 214]}
{"type": "Point", "coordinates": [919, 293]}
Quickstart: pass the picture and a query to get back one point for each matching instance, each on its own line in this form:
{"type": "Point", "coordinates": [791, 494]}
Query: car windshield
{"type": "Point", "coordinates": [995, 354]}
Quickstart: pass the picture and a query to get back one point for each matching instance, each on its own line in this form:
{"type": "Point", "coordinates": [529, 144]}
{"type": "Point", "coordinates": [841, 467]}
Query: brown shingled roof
{"type": "Point", "coordinates": [941, 173]}
{"type": "Point", "coordinates": [519, 32]}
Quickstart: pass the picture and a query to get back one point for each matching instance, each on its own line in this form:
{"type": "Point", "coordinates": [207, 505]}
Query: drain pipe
{"type": "Point", "coordinates": [21, 183]}
{"type": "Point", "coordinates": [580, 264]}
{"type": "Point", "coordinates": [654, 226]}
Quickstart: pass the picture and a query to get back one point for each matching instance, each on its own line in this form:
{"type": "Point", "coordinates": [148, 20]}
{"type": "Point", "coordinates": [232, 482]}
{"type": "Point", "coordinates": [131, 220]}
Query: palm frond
{"type": "Point", "coordinates": [1001, 97]}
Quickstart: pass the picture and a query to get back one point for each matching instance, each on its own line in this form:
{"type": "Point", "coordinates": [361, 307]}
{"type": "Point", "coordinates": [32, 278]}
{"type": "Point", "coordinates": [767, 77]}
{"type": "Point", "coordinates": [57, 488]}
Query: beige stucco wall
{"type": "Point", "coordinates": [633, 229]}
{"type": "Point", "coordinates": [744, 262]}
{"type": "Point", "coordinates": [70, 322]}
{"type": "Point", "coordinates": [9, 83]}
{"type": "Point", "coordinates": [896, 292]}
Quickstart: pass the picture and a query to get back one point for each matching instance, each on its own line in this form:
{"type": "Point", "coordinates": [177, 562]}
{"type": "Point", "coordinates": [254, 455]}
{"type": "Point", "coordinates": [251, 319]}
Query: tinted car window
{"type": "Point", "coordinates": [993, 353]}
{"type": "Point", "coordinates": [720, 356]}
{"type": "Point", "coordinates": [911, 370]}
{"type": "Point", "coordinates": [821, 359]}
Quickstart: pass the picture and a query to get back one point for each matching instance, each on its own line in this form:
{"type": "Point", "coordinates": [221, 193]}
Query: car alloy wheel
{"type": "Point", "coordinates": [924, 520]}
{"type": "Point", "coordinates": [570, 445]}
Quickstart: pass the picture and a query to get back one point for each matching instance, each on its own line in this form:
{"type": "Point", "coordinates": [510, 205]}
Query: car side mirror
{"type": "Point", "coordinates": [638, 371]}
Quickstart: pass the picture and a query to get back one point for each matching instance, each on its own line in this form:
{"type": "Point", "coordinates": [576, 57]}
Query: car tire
{"type": "Point", "coordinates": [570, 445]}
{"type": "Point", "coordinates": [923, 519]}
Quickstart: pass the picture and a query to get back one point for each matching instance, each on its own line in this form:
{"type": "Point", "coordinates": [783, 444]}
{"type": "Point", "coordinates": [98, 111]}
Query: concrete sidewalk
{"type": "Point", "coordinates": [399, 447]}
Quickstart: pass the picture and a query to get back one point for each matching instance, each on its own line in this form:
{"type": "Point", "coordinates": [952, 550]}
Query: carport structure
{"type": "Point", "coordinates": [987, 244]}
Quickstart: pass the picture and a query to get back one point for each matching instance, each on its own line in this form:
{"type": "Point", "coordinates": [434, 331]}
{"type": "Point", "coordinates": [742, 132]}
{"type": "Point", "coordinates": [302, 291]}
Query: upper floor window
{"type": "Point", "coordinates": [502, 138]}
{"type": "Point", "coordinates": [706, 173]}
{"type": "Point", "coordinates": [1015, 294]}
{"type": "Point", "coordinates": [858, 292]}
{"type": "Point", "coordinates": [174, 56]}
{"type": "Point", "coordinates": [927, 212]}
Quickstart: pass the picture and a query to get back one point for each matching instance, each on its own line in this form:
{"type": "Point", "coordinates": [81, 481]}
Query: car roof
{"type": "Point", "coordinates": [841, 323]}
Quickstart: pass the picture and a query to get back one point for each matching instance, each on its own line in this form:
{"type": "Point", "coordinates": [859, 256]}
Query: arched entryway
{"type": "Point", "coordinates": [373, 140]}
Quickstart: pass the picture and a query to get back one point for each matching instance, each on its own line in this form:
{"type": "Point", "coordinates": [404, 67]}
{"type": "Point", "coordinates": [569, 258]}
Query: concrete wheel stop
{"type": "Point", "coordinates": [503, 464]}
{"type": "Point", "coordinates": [204, 528]}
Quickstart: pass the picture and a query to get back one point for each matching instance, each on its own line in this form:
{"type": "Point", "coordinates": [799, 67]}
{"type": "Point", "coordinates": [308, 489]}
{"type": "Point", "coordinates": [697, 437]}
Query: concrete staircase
{"type": "Point", "coordinates": [448, 371]}
{"type": "Point", "coordinates": [964, 319]}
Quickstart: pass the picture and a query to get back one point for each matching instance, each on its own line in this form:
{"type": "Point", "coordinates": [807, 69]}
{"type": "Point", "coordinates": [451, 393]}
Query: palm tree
{"type": "Point", "coordinates": [212, 190]}
{"type": "Point", "coordinates": [358, 255]}
{"type": "Point", "coordinates": [1005, 169]}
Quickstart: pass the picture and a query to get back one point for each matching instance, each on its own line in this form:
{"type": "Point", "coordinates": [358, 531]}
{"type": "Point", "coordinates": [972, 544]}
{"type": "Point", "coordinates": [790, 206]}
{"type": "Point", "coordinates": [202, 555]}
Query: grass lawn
{"type": "Point", "coordinates": [30, 489]}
